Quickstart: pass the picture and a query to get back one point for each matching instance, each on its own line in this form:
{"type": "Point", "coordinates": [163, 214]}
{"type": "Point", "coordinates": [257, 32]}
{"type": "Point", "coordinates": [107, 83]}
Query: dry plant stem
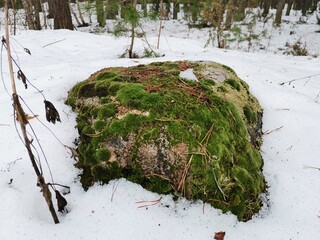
{"type": "Point", "coordinates": [271, 131]}
{"type": "Point", "coordinates": [151, 203]}
{"type": "Point", "coordinates": [23, 122]}
{"type": "Point", "coordinates": [297, 79]}
{"type": "Point", "coordinates": [309, 167]}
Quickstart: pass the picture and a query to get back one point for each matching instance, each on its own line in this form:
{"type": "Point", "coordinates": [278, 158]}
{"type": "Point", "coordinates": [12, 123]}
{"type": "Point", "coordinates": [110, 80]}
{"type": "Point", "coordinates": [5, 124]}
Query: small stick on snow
{"type": "Point", "coordinates": [53, 43]}
{"type": "Point", "coordinates": [297, 79]}
{"type": "Point", "coordinates": [310, 167]}
{"type": "Point", "coordinates": [114, 189]}
{"type": "Point", "coordinates": [151, 203]}
{"type": "Point", "coordinates": [271, 131]}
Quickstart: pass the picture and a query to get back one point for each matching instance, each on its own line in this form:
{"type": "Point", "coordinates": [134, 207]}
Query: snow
{"type": "Point", "coordinates": [117, 210]}
{"type": "Point", "coordinates": [188, 74]}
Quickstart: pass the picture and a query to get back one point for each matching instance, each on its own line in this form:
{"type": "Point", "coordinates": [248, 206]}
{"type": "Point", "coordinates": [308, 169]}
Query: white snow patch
{"type": "Point", "coordinates": [188, 74]}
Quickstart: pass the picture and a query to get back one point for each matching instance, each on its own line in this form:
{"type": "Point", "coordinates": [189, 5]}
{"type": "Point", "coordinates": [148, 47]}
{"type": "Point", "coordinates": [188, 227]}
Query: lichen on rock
{"type": "Point", "coordinates": [199, 139]}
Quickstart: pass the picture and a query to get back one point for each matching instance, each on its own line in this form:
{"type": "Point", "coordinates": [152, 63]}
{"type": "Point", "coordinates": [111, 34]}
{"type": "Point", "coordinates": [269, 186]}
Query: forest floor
{"type": "Point", "coordinates": [288, 88]}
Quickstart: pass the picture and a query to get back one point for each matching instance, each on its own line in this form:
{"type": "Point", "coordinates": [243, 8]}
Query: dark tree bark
{"type": "Point", "coordinates": [176, 9]}
{"type": "Point", "coordinates": [61, 14]}
{"type": "Point", "coordinates": [297, 5]}
{"type": "Point", "coordinates": [289, 6]}
{"type": "Point", "coordinates": [280, 7]}
{"type": "Point", "coordinates": [37, 10]}
{"type": "Point", "coordinates": [266, 8]}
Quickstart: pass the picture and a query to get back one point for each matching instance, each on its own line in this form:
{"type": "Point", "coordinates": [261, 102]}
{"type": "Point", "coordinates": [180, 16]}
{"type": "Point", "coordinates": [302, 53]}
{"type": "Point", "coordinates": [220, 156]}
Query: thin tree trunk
{"type": "Point", "coordinates": [266, 8]}
{"type": "Point", "coordinates": [14, 17]}
{"type": "Point", "coordinates": [27, 6]}
{"type": "Point", "coordinates": [44, 15]}
{"type": "Point", "coordinates": [229, 16]}
{"type": "Point", "coordinates": [37, 10]}
{"type": "Point", "coordinates": [83, 23]}
{"type": "Point", "coordinates": [75, 16]}
{"type": "Point", "coordinates": [278, 18]}
{"type": "Point", "coordinates": [161, 19]}
{"type": "Point", "coordinates": [130, 50]}
{"type": "Point", "coordinates": [289, 6]}
{"type": "Point", "coordinates": [176, 9]}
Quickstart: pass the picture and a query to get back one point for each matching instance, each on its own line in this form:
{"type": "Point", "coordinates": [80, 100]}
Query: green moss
{"type": "Point", "coordinates": [107, 110]}
{"type": "Point", "coordinates": [105, 75]}
{"type": "Point", "coordinates": [233, 83]}
{"type": "Point", "coordinates": [208, 82]}
{"type": "Point", "coordinates": [131, 123]}
{"type": "Point", "coordinates": [229, 69]}
{"type": "Point", "coordinates": [105, 173]}
{"type": "Point", "coordinates": [102, 154]}
{"type": "Point", "coordinates": [222, 89]}
{"type": "Point", "coordinates": [158, 185]}
{"type": "Point", "coordinates": [157, 113]}
{"type": "Point", "coordinates": [86, 90]}
{"type": "Point", "coordinates": [99, 125]}
{"type": "Point", "coordinates": [249, 114]}
{"type": "Point", "coordinates": [102, 88]}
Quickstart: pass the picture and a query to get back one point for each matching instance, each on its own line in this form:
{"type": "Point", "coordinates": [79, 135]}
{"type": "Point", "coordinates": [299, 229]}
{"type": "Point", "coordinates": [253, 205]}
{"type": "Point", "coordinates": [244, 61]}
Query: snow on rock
{"type": "Point", "coordinates": [188, 74]}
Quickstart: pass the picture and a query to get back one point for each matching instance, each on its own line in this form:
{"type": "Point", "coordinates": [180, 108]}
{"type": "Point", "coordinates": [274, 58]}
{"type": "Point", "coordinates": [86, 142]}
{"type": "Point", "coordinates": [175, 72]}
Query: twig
{"type": "Point", "coordinates": [184, 175]}
{"type": "Point", "coordinates": [53, 43]}
{"type": "Point", "coordinates": [282, 109]}
{"type": "Point", "coordinates": [317, 97]}
{"type": "Point", "coordinates": [309, 167]}
{"type": "Point", "coordinates": [220, 189]}
{"type": "Point", "coordinates": [271, 131]}
{"type": "Point", "coordinates": [114, 189]}
{"type": "Point", "coordinates": [158, 175]}
{"type": "Point", "coordinates": [151, 203]}
{"type": "Point", "coordinates": [168, 120]}
{"type": "Point", "coordinates": [297, 79]}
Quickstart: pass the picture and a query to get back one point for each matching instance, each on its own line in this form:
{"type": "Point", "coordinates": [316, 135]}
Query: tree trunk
{"type": "Point", "coordinates": [27, 6]}
{"type": "Point", "coordinates": [266, 8]}
{"type": "Point", "coordinates": [229, 16]}
{"type": "Point", "coordinates": [278, 18]}
{"type": "Point", "coordinates": [297, 5]}
{"type": "Point", "coordinates": [176, 9]}
{"type": "Point", "coordinates": [83, 23]}
{"type": "Point", "coordinates": [130, 50]}
{"type": "Point", "coordinates": [100, 13]}
{"type": "Point", "coordinates": [112, 9]}
{"type": "Point", "coordinates": [289, 6]}
{"type": "Point", "coordinates": [61, 14]}
{"type": "Point", "coordinates": [37, 10]}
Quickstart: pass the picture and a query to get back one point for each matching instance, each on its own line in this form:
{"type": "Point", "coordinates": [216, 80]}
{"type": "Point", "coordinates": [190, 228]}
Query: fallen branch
{"type": "Point", "coordinates": [310, 167]}
{"type": "Point", "coordinates": [271, 131]}
{"type": "Point", "coordinates": [53, 43]}
{"type": "Point", "coordinates": [297, 79]}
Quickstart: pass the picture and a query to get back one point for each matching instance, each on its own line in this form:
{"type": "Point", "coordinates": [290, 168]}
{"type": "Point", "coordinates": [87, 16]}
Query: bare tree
{"type": "Point", "coordinates": [280, 7]}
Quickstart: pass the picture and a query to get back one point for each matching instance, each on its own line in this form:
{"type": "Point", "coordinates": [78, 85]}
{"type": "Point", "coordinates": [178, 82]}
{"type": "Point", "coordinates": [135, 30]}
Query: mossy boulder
{"type": "Point", "coordinates": [198, 138]}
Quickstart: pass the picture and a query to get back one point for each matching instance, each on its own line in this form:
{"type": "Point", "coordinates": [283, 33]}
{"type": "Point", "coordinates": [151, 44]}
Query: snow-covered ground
{"type": "Point", "coordinates": [117, 210]}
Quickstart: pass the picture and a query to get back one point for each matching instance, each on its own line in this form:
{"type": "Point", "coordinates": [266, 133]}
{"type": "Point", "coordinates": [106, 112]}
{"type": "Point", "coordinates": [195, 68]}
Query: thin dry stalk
{"type": "Point", "coordinates": [149, 203]}
{"type": "Point", "coordinates": [271, 131]}
{"type": "Point", "coordinates": [23, 123]}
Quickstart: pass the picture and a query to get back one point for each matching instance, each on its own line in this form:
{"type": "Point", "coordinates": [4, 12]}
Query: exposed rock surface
{"type": "Point", "coordinates": [154, 126]}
